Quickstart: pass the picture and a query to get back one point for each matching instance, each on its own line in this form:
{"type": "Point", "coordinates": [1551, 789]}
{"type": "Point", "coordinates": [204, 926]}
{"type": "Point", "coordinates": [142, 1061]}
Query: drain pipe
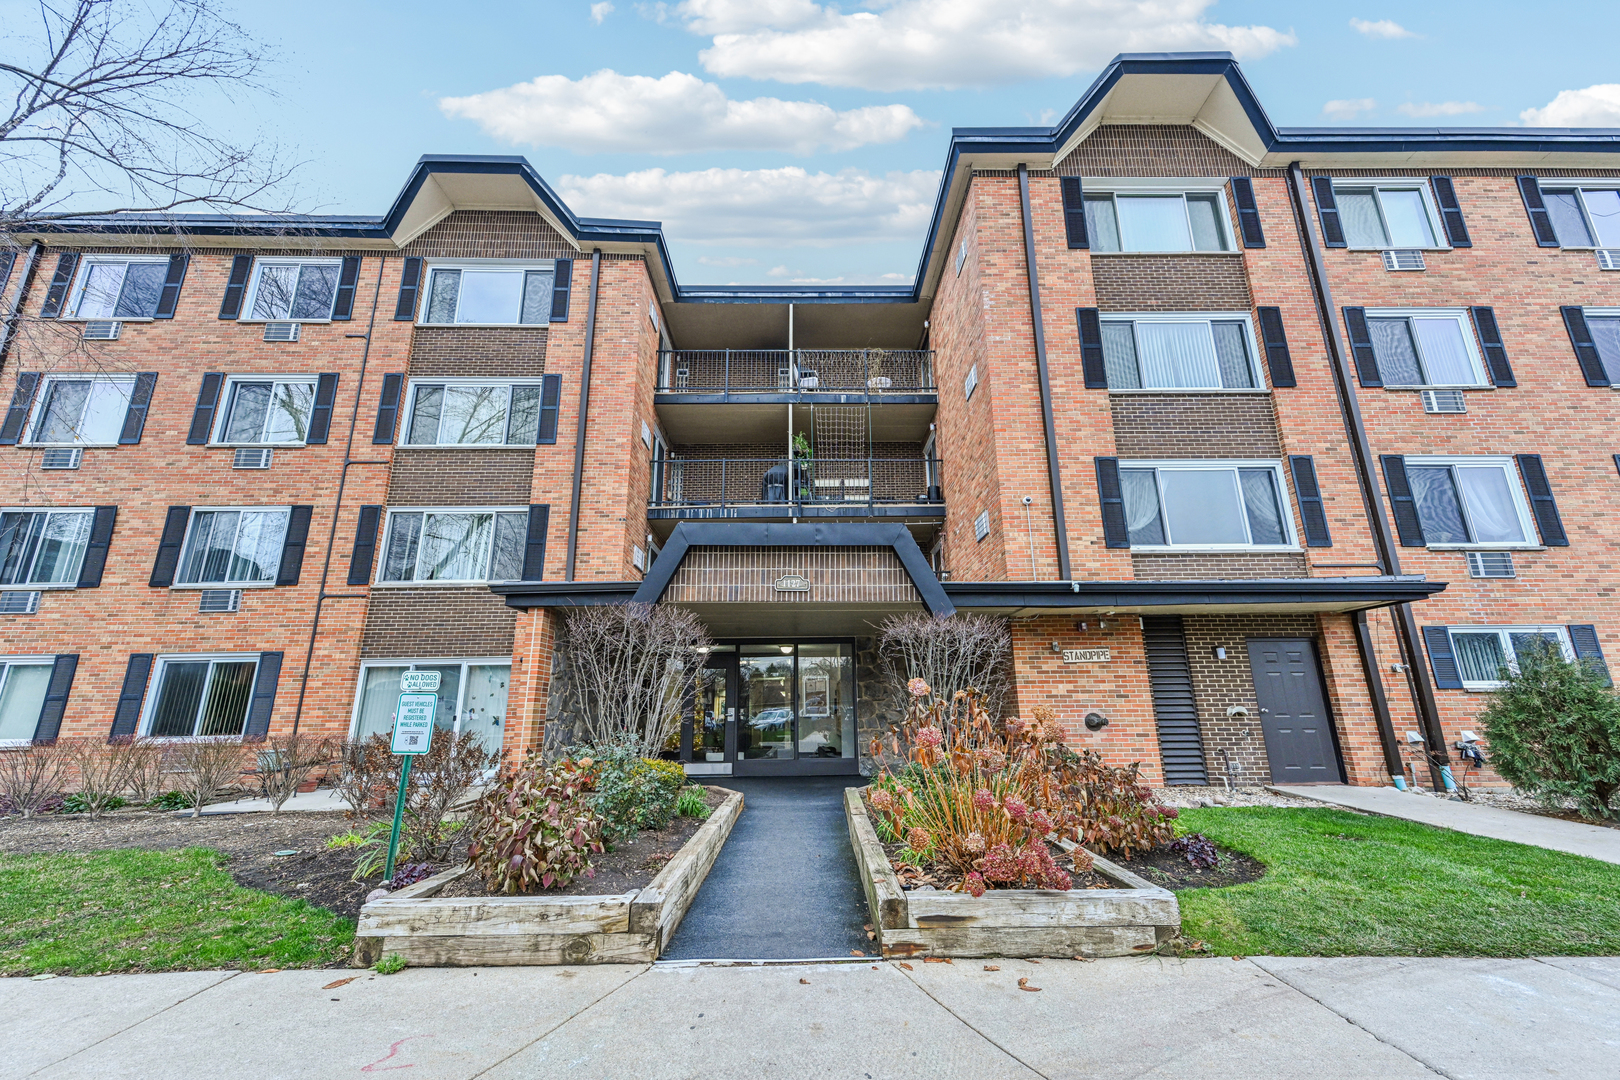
{"type": "Point", "coordinates": [1053, 468]}
{"type": "Point", "coordinates": [1406, 632]}
{"type": "Point", "coordinates": [584, 405]}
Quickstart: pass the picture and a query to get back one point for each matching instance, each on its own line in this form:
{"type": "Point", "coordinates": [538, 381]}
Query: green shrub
{"type": "Point", "coordinates": [537, 827]}
{"type": "Point", "coordinates": [170, 800]}
{"type": "Point", "coordinates": [392, 964]}
{"type": "Point", "coordinates": [633, 792]}
{"type": "Point", "coordinates": [80, 803]}
{"type": "Point", "coordinates": [1554, 730]}
{"type": "Point", "coordinates": [690, 803]}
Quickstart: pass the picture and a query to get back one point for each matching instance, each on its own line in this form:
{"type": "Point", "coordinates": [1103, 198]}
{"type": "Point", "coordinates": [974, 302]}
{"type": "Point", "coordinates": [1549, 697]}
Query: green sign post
{"type": "Point", "coordinates": [413, 734]}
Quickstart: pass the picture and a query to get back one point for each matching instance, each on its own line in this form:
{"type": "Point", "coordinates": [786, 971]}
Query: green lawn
{"type": "Point", "coordinates": [152, 911]}
{"type": "Point", "coordinates": [1341, 884]}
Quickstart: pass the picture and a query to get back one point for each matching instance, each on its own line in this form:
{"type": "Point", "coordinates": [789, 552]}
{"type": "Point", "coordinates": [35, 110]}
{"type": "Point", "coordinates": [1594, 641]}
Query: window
{"type": "Point", "coordinates": [1205, 504]}
{"type": "Point", "coordinates": [1604, 326]}
{"type": "Point", "coordinates": [474, 414]}
{"type": "Point", "coordinates": [472, 697]}
{"type": "Point", "coordinates": [267, 411]}
{"type": "Point", "coordinates": [455, 545]}
{"type": "Point", "coordinates": [291, 290]}
{"type": "Point", "coordinates": [1386, 215]}
{"type": "Point", "coordinates": [1200, 352]}
{"type": "Point", "coordinates": [233, 547]}
{"type": "Point", "coordinates": [1583, 216]}
{"type": "Point", "coordinates": [1425, 348]}
{"type": "Point", "coordinates": [42, 547]}
{"type": "Point", "coordinates": [1157, 221]}
{"type": "Point", "coordinates": [82, 410]}
{"type": "Point", "coordinates": [201, 696]}
{"type": "Point", "coordinates": [1468, 501]}
{"type": "Point", "coordinates": [118, 288]}
{"type": "Point", "coordinates": [1482, 652]}
{"type": "Point", "coordinates": [489, 295]}
{"type": "Point", "coordinates": [24, 681]}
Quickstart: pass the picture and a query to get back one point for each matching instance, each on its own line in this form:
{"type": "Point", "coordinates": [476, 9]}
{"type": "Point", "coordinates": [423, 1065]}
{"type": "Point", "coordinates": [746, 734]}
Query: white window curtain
{"type": "Point", "coordinates": [1358, 210]}
{"type": "Point", "coordinates": [1438, 509]}
{"type": "Point", "coordinates": [1260, 500]}
{"type": "Point", "coordinates": [1177, 355]}
{"type": "Point", "coordinates": [1491, 510]}
{"type": "Point", "coordinates": [1396, 352]}
{"type": "Point", "coordinates": [1445, 355]}
{"type": "Point", "coordinates": [1141, 495]}
{"type": "Point", "coordinates": [22, 695]}
{"type": "Point", "coordinates": [1119, 356]}
{"type": "Point", "coordinates": [1479, 656]}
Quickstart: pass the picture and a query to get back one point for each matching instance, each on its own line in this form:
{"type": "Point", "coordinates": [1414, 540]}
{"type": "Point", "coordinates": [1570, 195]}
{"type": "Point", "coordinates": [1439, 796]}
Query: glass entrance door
{"type": "Point", "coordinates": [714, 712]}
{"type": "Point", "coordinates": [765, 712]}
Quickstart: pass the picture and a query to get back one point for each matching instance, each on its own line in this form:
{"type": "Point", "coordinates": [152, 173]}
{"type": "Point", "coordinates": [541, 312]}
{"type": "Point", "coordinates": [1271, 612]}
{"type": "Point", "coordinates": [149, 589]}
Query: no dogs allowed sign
{"type": "Point", "coordinates": [413, 721]}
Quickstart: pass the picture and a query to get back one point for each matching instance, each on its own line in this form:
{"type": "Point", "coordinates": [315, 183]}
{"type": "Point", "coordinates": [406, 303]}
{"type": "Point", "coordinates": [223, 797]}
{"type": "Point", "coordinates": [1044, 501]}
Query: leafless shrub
{"type": "Point", "coordinates": [440, 779]}
{"type": "Point", "coordinates": [959, 652]}
{"type": "Point", "coordinates": [102, 770]}
{"type": "Point", "coordinates": [367, 765]}
{"type": "Point", "coordinates": [145, 777]}
{"type": "Point", "coordinates": [286, 763]}
{"type": "Point", "coordinates": [631, 666]}
{"type": "Point", "coordinates": [32, 777]}
{"type": "Point", "coordinates": [207, 768]}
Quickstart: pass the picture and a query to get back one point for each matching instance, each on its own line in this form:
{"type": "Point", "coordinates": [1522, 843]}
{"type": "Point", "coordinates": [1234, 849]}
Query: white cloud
{"type": "Point", "coordinates": [676, 114]}
{"type": "Point", "coordinates": [798, 277]}
{"type": "Point", "coordinates": [726, 260]}
{"type": "Point", "coordinates": [764, 207]}
{"type": "Point", "coordinates": [600, 11]}
{"type": "Point", "coordinates": [927, 44]}
{"type": "Point", "coordinates": [1596, 106]}
{"type": "Point", "coordinates": [1439, 108]}
{"type": "Point", "coordinates": [1348, 109]}
{"type": "Point", "coordinates": [1382, 28]}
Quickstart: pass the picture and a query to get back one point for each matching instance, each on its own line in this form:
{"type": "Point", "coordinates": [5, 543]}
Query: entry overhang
{"type": "Point", "coordinates": [1279, 595]}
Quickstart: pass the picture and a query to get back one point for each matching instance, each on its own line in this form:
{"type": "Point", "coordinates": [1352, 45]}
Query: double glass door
{"type": "Point", "coordinates": [759, 707]}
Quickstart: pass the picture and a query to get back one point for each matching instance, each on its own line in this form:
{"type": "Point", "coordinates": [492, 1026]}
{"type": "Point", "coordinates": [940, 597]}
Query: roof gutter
{"type": "Point", "coordinates": [1054, 469]}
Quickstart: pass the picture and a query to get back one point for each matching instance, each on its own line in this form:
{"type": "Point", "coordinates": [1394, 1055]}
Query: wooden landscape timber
{"type": "Point", "coordinates": [480, 931]}
{"type": "Point", "coordinates": [1130, 920]}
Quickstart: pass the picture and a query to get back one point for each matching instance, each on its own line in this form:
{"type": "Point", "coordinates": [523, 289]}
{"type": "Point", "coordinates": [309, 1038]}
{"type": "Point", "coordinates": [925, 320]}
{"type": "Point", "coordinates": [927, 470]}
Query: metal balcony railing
{"type": "Point", "coordinates": [722, 482]}
{"type": "Point", "coordinates": [795, 371]}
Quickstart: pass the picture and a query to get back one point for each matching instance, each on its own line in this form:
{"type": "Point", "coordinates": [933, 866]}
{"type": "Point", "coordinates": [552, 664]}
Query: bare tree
{"type": "Point", "coordinates": [630, 668]}
{"type": "Point", "coordinates": [949, 654]}
{"type": "Point", "coordinates": [32, 777]}
{"type": "Point", "coordinates": [206, 768]}
{"type": "Point", "coordinates": [287, 763]}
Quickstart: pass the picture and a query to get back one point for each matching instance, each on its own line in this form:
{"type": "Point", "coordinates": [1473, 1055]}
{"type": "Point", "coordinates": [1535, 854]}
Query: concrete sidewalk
{"type": "Point", "coordinates": [1593, 841]}
{"type": "Point", "coordinates": [1315, 1019]}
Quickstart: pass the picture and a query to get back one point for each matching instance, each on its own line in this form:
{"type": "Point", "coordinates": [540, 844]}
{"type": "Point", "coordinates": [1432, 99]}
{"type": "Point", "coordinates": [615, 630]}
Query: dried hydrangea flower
{"type": "Point", "coordinates": [928, 736]}
{"type": "Point", "coordinates": [917, 688]}
{"type": "Point", "coordinates": [973, 884]}
{"type": "Point", "coordinates": [974, 843]}
{"type": "Point", "coordinates": [918, 839]}
{"type": "Point", "coordinates": [984, 800]}
{"type": "Point", "coordinates": [1016, 808]}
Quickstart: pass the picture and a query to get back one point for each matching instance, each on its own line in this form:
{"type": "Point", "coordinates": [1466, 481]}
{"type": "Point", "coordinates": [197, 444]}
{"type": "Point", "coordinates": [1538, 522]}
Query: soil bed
{"type": "Point", "coordinates": [1171, 870]}
{"type": "Point", "coordinates": [941, 876]}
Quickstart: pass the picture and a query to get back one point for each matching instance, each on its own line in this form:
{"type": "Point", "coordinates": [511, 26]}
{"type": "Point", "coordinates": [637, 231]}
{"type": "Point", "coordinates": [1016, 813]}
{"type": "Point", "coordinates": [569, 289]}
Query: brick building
{"type": "Point", "coordinates": [1273, 445]}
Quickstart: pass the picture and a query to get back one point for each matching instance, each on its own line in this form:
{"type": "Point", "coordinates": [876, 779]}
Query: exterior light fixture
{"type": "Point", "coordinates": [1220, 652]}
{"type": "Point", "coordinates": [1096, 721]}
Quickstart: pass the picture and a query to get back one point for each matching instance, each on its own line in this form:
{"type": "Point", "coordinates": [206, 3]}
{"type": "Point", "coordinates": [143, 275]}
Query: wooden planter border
{"type": "Point", "coordinates": [479, 931]}
{"type": "Point", "coordinates": [1133, 919]}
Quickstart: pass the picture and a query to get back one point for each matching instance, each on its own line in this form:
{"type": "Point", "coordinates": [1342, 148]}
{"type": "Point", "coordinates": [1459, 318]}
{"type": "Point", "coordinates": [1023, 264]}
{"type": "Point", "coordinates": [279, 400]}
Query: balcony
{"type": "Point", "coordinates": [781, 487]}
{"type": "Point", "coordinates": [776, 374]}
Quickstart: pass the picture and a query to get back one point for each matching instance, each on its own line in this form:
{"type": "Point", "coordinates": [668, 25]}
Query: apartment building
{"type": "Point", "coordinates": [1273, 446]}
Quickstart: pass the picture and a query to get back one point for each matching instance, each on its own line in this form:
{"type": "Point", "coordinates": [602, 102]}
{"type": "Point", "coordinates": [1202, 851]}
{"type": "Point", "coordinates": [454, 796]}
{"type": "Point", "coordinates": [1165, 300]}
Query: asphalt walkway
{"type": "Point", "coordinates": [1312, 1019]}
{"type": "Point", "coordinates": [1593, 841]}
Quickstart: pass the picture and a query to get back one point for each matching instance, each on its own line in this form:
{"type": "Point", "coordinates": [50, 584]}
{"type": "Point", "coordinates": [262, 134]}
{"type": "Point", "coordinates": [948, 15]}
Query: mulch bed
{"type": "Point", "coordinates": [942, 877]}
{"type": "Point", "coordinates": [1171, 870]}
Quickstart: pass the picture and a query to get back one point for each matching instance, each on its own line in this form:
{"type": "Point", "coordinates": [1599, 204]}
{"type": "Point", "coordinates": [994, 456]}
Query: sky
{"type": "Point", "coordinates": [784, 141]}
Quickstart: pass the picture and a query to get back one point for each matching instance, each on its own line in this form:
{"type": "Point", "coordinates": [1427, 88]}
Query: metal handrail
{"type": "Point", "coordinates": [872, 372]}
{"type": "Point", "coordinates": [787, 480]}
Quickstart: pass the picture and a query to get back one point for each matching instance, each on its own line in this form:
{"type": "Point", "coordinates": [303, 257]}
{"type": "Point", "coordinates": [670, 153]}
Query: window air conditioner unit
{"type": "Point", "coordinates": [1403, 260]}
{"type": "Point", "coordinates": [1490, 564]}
{"type": "Point", "coordinates": [62, 457]}
{"type": "Point", "coordinates": [220, 601]}
{"type": "Point", "coordinates": [281, 331]}
{"type": "Point", "coordinates": [102, 330]}
{"type": "Point", "coordinates": [1608, 258]}
{"type": "Point", "coordinates": [1444, 401]}
{"type": "Point", "coordinates": [251, 457]}
{"type": "Point", "coordinates": [19, 603]}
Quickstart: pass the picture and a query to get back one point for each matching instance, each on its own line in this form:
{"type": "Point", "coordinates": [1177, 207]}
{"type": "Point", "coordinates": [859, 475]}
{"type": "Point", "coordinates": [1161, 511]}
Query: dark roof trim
{"type": "Point", "coordinates": [1350, 592]}
{"type": "Point", "coordinates": [532, 594]}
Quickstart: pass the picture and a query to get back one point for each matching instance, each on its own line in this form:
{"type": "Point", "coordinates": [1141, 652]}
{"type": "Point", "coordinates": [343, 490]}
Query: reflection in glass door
{"type": "Point", "coordinates": [826, 710]}
{"type": "Point", "coordinates": [765, 705]}
{"type": "Point", "coordinates": [710, 710]}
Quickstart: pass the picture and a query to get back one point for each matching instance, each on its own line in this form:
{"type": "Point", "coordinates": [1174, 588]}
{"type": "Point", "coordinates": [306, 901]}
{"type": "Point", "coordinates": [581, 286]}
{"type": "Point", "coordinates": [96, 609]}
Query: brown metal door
{"type": "Point", "coordinates": [1294, 716]}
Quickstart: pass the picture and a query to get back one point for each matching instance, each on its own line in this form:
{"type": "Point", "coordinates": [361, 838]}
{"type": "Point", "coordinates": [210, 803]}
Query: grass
{"type": "Point", "coordinates": [1341, 884]}
{"type": "Point", "coordinates": [82, 914]}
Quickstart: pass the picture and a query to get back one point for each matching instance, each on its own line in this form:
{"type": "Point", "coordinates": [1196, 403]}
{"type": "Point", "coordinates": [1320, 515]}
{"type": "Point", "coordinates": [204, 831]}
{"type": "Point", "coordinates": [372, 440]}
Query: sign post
{"type": "Point", "coordinates": [413, 734]}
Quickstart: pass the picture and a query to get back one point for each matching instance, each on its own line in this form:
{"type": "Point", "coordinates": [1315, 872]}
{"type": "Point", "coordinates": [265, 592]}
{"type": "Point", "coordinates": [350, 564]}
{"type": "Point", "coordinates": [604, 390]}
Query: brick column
{"type": "Point", "coordinates": [1351, 702]}
{"type": "Point", "coordinates": [533, 648]}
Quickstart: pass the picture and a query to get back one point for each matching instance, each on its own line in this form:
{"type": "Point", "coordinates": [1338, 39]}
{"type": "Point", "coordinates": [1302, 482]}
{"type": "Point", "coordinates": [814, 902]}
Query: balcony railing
{"type": "Point", "coordinates": [796, 371]}
{"type": "Point", "coordinates": [727, 482]}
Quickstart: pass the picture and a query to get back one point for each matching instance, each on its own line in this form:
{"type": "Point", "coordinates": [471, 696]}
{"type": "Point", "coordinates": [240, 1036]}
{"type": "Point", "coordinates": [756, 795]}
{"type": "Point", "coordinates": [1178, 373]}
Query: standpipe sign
{"type": "Point", "coordinates": [413, 720]}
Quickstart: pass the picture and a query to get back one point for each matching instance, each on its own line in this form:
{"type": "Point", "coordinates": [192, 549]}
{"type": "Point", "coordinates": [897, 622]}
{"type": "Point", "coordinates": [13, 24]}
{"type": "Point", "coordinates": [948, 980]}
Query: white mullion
{"type": "Point", "coordinates": [202, 701]}
{"type": "Point", "coordinates": [461, 697]}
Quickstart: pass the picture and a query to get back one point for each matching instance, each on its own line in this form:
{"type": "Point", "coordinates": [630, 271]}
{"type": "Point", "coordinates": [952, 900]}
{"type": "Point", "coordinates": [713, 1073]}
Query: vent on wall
{"type": "Point", "coordinates": [1403, 260]}
{"type": "Point", "coordinates": [1490, 564]}
{"type": "Point", "coordinates": [62, 457]}
{"type": "Point", "coordinates": [281, 331]}
{"type": "Point", "coordinates": [19, 603]}
{"type": "Point", "coordinates": [220, 601]}
{"type": "Point", "coordinates": [102, 330]}
{"type": "Point", "coordinates": [251, 457]}
{"type": "Point", "coordinates": [1608, 258]}
{"type": "Point", "coordinates": [981, 525]}
{"type": "Point", "coordinates": [1175, 709]}
{"type": "Point", "coordinates": [1444, 401]}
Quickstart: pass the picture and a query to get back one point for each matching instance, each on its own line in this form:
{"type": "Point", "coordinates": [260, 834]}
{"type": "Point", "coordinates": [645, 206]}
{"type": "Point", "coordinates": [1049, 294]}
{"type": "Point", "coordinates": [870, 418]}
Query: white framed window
{"type": "Point", "coordinates": [489, 293]}
{"type": "Point", "coordinates": [1604, 326]}
{"type": "Point", "coordinates": [235, 546]}
{"type": "Point", "coordinates": [1209, 505]}
{"type": "Point", "coordinates": [1425, 347]}
{"type": "Point", "coordinates": [454, 545]}
{"type": "Point", "coordinates": [1192, 351]}
{"type": "Point", "coordinates": [1386, 214]}
{"type": "Point", "coordinates": [472, 696]}
{"type": "Point", "coordinates": [266, 411]}
{"type": "Point", "coordinates": [1157, 215]}
{"type": "Point", "coordinates": [24, 681]}
{"type": "Point", "coordinates": [292, 290]}
{"type": "Point", "coordinates": [200, 696]}
{"type": "Point", "coordinates": [1470, 502]}
{"type": "Point", "coordinates": [1483, 651]}
{"type": "Point", "coordinates": [43, 548]}
{"type": "Point", "coordinates": [466, 412]}
{"type": "Point", "coordinates": [122, 287]}
{"type": "Point", "coordinates": [81, 410]}
{"type": "Point", "coordinates": [1583, 215]}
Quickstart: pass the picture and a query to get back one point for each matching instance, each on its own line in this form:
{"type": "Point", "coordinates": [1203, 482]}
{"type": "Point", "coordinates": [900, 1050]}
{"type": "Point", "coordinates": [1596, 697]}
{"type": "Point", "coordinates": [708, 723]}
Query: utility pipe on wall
{"type": "Point", "coordinates": [584, 406]}
{"type": "Point", "coordinates": [1054, 470]}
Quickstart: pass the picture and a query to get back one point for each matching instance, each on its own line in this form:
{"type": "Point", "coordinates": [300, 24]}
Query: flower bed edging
{"type": "Point", "coordinates": [1136, 918]}
{"type": "Point", "coordinates": [627, 928]}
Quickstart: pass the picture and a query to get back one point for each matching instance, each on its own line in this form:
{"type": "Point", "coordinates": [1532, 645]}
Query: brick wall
{"type": "Point", "coordinates": [437, 623]}
{"type": "Point", "coordinates": [1164, 426]}
{"type": "Point", "coordinates": [1153, 150]}
{"type": "Point", "coordinates": [1206, 281]}
{"type": "Point", "coordinates": [455, 476]}
{"type": "Point", "coordinates": [510, 352]}
{"type": "Point", "coordinates": [1179, 566]}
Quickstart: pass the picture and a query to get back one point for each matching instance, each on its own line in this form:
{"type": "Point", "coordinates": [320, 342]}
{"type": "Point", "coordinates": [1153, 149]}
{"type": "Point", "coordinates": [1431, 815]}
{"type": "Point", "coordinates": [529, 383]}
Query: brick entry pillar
{"type": "Point", "coordinates": [1346, 686]}
{"type": "Point", "coordinates": [533, 647]}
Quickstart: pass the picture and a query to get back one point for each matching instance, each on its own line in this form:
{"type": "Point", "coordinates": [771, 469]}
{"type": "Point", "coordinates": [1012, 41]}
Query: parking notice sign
{"type": "Point", "coordinates": [413, 723]}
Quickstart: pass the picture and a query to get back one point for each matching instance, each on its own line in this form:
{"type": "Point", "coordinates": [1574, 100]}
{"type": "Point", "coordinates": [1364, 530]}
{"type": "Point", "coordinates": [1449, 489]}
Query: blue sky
{"type": "Point", "coordinates": [802, 141]}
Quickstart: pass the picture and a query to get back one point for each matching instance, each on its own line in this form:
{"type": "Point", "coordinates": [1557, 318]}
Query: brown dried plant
{"type": "Point", "coordinates": [32, 777]}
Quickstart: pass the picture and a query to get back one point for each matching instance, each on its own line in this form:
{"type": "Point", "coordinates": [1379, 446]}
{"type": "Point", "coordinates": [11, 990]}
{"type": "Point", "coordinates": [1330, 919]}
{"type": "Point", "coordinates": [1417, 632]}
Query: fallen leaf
{"type": "Point", "coordinates": [805, 982]}
{"type": "Point", "coordinates": [936, 959]}
{"type": "Point", "coordinates": [340, 982]}
{"type": "Point", "coordinates": [907, 966]}
{"type": "Point", "coordinates": [870, 936]}
{"type": "Point", "coordinates": [1084, 959]}
{"type": "Point", "coordinates": [868, 928]}
{"type": "Point", "coordinates": [272, 971]}
{"type": "Point", "coordinates": [856, 952]}
{"type": "Point", "coordinates": [992, 967]}
{"type": "Point", "coordinates": [1023, 984]}
{"type": "Point", "coordinates": [1032, 960]}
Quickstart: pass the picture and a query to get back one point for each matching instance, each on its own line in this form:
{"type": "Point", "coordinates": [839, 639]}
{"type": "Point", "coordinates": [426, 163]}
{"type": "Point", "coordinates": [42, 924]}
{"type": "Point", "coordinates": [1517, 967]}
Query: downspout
{"type": "Point", "coordinates": [584, 404]}
{"type": "Point", "coordinates": [1058, 523]}
{"type": "Point", "coordinates": [17, 299]}
{"type": "Point", "coordinates": [1405, 625]}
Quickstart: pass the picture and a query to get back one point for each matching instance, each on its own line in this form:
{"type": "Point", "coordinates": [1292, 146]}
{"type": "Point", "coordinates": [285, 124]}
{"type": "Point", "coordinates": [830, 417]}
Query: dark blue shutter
{"type": "Point", "coordinates": [410, 284]}
{"type": "Point", "coordinates": [169, 298]}
{"type": "Point", "coordinates": [56, 294]}
{"type": "Point", "coordinates": [1542, 503]}
{"type": "Point", "coordinates": [292, 548]}
{"type": "Point", "coordinates": [264, 696]}
{"type": "Point", "coordinates": [63, 667]}
{"type": "Point", "coordinates": [1092, 365]}
{"type": "Point", "coordinates": [1074, 212]}
{"type": "Point", "coordinates": [22, 402]}
{"type": "Point", "coordinates": [1402, 504]}
{"type": "Point", "coordinates": [1617, 463]}
{"type": "Point", "coordinates": [8, 259]}
{"type": "Point", "coordinates": [1309, 494]}
{"type": "Point", "coordinates": [550, 408]}
{"type": "Point", "coordinates": [202, 419]}
{"type": "Point", "coordinates": [168, 552]}
{"type": "Point", "coordinates": [1540, 221]}
{"type": "Point", "coordinates": [1437, 639]}
{"type": "Point", "coordinates": [1586, 353]}
{"type": "Point", "coordinates": [1450, 211]}
{"type": "Point", "coordinates": [1116, 534]}
{"type": "Point", "coordinates": [320, 415]}
{"type": "Point", "coordinates": [95, 552]}
{"type": "Point", "coordinates": [534, 544]}
{"type": "Point", "coordinates": [364, 555]}
{"type": "Point", "coordinates": [1278, 360]}
{"type": "Point", "coordinates": [348, 278]}
{"type": "Point", "coordinates": [388, 409]}
{"type": "Point", "coordinates": [1355, 321]}
{"type": "Point", "coordinates": [1327, 208]}
{"type": "Point", "coordinates": [1584, 640]}
{"type": "Point", "coordinates": [231, 306]}
{"type": "Point", "coordinates": [562, 285]}
{"type": "Point", "coordinates": [127, 715]}
{"type": "Point", "coordinates": [1248, 212]}
{"type": "Point", "coordinates": [1490, 341]}
{"type": "Point", "coordinates": [140, 399]}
